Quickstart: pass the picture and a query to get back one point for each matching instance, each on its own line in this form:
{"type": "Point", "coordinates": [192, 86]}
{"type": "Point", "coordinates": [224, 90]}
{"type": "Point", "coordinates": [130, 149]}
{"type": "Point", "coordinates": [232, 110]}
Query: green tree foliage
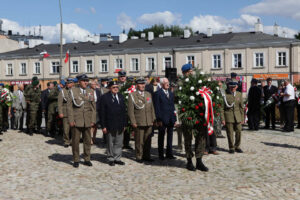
{"type": "Point", "coordinates": [177, 31]}
{"type": "Point", "coordinates": [297, 36]}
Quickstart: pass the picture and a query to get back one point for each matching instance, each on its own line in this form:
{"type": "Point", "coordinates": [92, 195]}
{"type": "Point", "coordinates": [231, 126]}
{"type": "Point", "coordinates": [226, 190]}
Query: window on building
{"type": "Point", "coordinates": [167, 62]}
{"type": "Point", "coordinates": [190, 60]}
{"type": "Point", "coordinates": [104, 66]}
{"type": "Point", "coordinates": [259, 60]}
{"type": "Point", "coordinates": [55, 68]}
{"type": "Point", "coordinates": [134, 64]}
{"type": "Point", "coordinates": [237, 60]}
{"type": "Point", "coordinates": [23, 69]}
{"type": "Point", "coordinates": [119, 63]}
{"type": "Point", "coordinates": [281, 59]}
{"type": "Point", "coordinates": [9, 69]}
{"type": "Point", "coordinates": [150, 64]}
{"type": "Point", "coordinates": [89, 66]}
{"type": "Point", "coordinates": [216, 61]}
{"type": "Point", "coordinates": [75, 66]}
{"type": "Point", "coordinates": [37, 68]}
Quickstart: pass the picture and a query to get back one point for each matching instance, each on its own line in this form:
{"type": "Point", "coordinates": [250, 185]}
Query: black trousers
{"type": "Point", "coordinates": [161, 140]}
{"type": "Point", "coordinates": [270, 114]}
{"type": "Point", "coordinates": [298, 114]}
{"type": "Point", "coordinates": [253, 119]}
{"type": "Point", "coordinates": [289, 108]}
{"type": "Point", "coordinates": [126, 139]}
{"type": "Point", "coordinates": [211, 142]}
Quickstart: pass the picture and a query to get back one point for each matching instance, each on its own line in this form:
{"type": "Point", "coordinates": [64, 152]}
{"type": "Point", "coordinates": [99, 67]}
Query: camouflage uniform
{"type": "Point", "coordinates": [52, 111]}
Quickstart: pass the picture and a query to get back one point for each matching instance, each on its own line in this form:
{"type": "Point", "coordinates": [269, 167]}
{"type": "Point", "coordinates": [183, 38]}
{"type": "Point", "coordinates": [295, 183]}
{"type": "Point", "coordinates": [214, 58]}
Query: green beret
{"type": "Point", "coordinates": [35, 82]}
{"type": "Point", "coordinates": [55, 83]}
{"type": "Point", "coordinates": [35, 78]}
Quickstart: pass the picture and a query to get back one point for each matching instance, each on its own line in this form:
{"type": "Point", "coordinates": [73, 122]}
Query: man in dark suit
{"type": "Point", "coordinates": [269, 91]}
{"type": "Point", "coordinates": [166, 117]}
{"type": "Point", "coordinates": [113, 119]}
{"type": "Point", "coordinates": [44, 100]}
{"type": "Point", "coordinates": [254, 97]}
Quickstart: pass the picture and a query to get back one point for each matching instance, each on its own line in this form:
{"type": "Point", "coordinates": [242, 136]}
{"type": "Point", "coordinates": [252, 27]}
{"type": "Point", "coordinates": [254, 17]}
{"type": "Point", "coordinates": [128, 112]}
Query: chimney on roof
{"type": "Point", "coordinates": [9, 32]}
{"type": "Point", "coordinates": [64, 41]}
{"type": "Point", "coordinates": [1, 22]}
{"type": "Point", "coordinates": [96, 39]}
{"type": "Point", "coordinates": [168, 34]}
{"type": "Point", "coordinates": [209, 32]}
{"type": "Point", "coordinates": [134, 37]}
{"type": "Point", "coordinates": [161, 35]}
{"type": "Point", "coordinates": [40, 30]}
{"type": "Point", "coordinates": [275, 29]}
{"type": "Point", "coordinates": [123, 38]}
{"type": "Point", "coordinates": [230, 30]}
{"type": "Point", "coordinates": [150, 36]}
{"type": "Point", "coordinates": [186, 33]}
{"type": "Point", "coordinates": [143, 35]}
{"type": "Point", "coordinates": [258, 26]}
{"type": "Point", "coordinates": [284, 34]}
{"type": "Point", "coordinates": [21, 44]}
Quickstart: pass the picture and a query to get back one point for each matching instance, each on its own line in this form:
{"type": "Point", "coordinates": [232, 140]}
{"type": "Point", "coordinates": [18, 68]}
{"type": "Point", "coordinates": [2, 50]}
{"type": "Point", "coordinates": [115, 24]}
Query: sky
{"type": "Point", "coordinates": [87, 17]}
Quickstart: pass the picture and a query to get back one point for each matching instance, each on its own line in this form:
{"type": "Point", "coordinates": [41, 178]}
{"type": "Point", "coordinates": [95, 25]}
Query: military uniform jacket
{"type": "Point", "coordinates": [52, 99]}
{"type": "Point", "coordinates": [141, 109]}
{"type": "Point", "coordinates": [63, 97]}
{"type": "Point", "coordinates": [233, 112]}
{"type": "Point", "coordinates": [81, 108]}
{"type": "Point", "coordinates": [33, 97]}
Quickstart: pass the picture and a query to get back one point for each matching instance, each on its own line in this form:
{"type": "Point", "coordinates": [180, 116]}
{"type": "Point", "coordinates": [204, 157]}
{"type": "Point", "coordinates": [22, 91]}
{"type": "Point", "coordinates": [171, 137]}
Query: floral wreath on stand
{"type": "Point", "coordinates": [199, 101]}
{"type": "Point", "coordinates": [6, 97]}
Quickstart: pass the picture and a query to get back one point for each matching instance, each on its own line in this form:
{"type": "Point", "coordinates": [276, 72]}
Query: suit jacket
{"type": "Point", "coordinates": [233, 114]}
{"type": "Point", "coordinates": [254, 97]}
{"type": "Point", "coordinates": [113, 115]}
{"type": "Point", "coordinates": [44, 99]}
{"type": "Point", "coordinates": [17, 104]}
{"type": "Point", "coordinates": [81, 108]}
{"type": "Point", "coordinates": [164, 107]}
{"type": "Point", "coordinates": [141, 109]}
{"type": "Point", "coordinates": [62, 101]}
{"type": "Point", "coordinates": [269, 92]}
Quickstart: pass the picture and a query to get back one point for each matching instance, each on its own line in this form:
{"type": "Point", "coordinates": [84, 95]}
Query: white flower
{"type": "Point", "coordinates": [217, 97]}
{"type": "Point", "coordinates": [192, 98]}
{"type": "Point", "coordinates": [179, 102]}
{"type": "Point", "coordinates": [202, 73]}
{"type": "Point", "coordinates": [180, 88]}
{"type": "Point", "coordinates": [192, 88]}
{"type": "Point", "coordinates": [218, 88]}
{"type": "Point", "coordinates": [187, 80]}
{"type": "Point", "coordinates": [200, 81]}
{"type": "Point", "coordinates": [126, 97]}
{"type": "Point", "coordinates": [197, 93]}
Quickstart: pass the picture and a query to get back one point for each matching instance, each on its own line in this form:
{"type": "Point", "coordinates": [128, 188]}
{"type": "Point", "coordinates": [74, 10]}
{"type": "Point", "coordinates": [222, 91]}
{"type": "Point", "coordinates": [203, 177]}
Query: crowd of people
{"type": "Point", "coordinates": [77, 107]}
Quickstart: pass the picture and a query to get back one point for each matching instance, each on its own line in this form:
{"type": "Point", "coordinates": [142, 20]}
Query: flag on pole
{"type": "Point", "coordinates": [67, 56]}
{"type": "Point", "coordinates": [45, 54]}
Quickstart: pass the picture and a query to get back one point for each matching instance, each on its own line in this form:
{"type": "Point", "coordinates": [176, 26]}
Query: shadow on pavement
{"type": "Point", "coordinates": [54, 141]}
{"type": "Point", "coordinates": [61, 158]}
{"type": "Point", "coordinates": [281, 145]}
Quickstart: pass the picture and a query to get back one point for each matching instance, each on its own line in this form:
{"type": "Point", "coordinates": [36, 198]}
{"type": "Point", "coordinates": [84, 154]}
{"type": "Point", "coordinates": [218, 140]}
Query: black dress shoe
{"type": "Point", "coordinates": [139, 160]}
{"type": "Point", "coordinates": [66, 145]}
{"type": "Point", "coordinates": [88, 163]}
{"type": "Point", "coordinates": [171, 157]}
{"type": "Point", "coordinates": [148, 160]}
{"type": "Point", "coordinates": [231, 151]}
{"type": "Point", "coordinates": [239, 151]}
{"type": "Point", "coordinates": [119, 162]}
{"type": "Point", "coordinates": [76, 164]}
{"type": "Point", "coordinates": [190, 165]}
{"type": "Point", "coordinates": [111, 163]}
{"type": "Point", "coordinates": [200, 166]}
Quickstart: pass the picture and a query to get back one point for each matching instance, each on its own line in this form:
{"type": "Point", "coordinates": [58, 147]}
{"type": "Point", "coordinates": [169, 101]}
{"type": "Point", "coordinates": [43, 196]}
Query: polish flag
{"type": "Point", "coordinates": [45, 54]}
{"type": "Point", "coordinates": [118, 70]}
{"type": "Point", "coordinates": [67, 56]}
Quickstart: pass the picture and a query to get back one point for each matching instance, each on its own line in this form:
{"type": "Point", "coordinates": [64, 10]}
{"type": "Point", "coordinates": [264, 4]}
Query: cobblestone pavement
{"type": "Point", "coordinates": [38, 167]}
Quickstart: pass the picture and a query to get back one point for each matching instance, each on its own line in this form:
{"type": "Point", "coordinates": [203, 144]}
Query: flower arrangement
{"type": "Point", "coordinates": [6, 97]}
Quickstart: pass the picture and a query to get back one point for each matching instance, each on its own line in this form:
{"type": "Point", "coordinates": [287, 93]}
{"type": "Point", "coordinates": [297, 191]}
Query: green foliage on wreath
{"type": "Point", "coordinates": [191, 104]}
{"type": "Point", "coordinates": [124, 90]}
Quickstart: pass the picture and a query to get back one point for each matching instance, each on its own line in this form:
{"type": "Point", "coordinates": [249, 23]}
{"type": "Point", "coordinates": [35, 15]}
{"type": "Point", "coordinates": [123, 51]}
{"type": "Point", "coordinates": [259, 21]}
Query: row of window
{"type": "Point", "coordinates": [259, 61]}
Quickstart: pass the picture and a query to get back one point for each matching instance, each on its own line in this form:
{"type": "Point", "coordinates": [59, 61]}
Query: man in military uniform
{"type": "Point", "coordinates": [63, 98]}
{"type": "Point", "coordinates": [52, 110]}
{"type": "Point", "coordinates": [232, 115]}
{"type": "Point", "coordinates": [142, 116]}
{"type": "Point", "coordinates": [33, 99]}
{"type": "Point", "coordinates": [81, 109]}
{"type": "Point", "coordinates": [200, 137]}
{"type": "Point", "coordinates": [100, 92]}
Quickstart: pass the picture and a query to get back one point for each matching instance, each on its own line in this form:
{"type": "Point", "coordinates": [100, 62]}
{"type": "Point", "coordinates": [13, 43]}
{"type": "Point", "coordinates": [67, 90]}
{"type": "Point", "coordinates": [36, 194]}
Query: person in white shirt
{"type": "Point", "coordinates": [19, 106]}
{"type": "Point", "coordinates": [289, 106]}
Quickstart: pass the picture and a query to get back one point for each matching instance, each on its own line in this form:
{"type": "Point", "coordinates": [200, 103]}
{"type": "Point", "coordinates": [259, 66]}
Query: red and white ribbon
{"type": "Point", "coordinates": [209, 113]}
{"type": "Point", "coordinates": [131, 89]}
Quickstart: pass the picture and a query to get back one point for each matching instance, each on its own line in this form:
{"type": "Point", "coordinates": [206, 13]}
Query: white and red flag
{"type": "Point", "coordinates": [45, 54]}
{"type": "Point", "coordinates": [67, 56]}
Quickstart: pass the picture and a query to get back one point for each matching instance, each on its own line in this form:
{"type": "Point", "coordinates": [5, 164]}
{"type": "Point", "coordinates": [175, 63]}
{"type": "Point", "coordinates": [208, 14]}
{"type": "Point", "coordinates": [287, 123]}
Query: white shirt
{"type": "Point", "coordinates": [291, 91]}
{"type": "Point", "coordinates": [21, 95]}
{"type": "Point", "coordinates": [116, 95]}
{"type": "Point", "coordinates": [141, 93]}
{"type": "Point", "coordinates": [95, 95]}
{"type": "Point", "coordinates": [166, 92]}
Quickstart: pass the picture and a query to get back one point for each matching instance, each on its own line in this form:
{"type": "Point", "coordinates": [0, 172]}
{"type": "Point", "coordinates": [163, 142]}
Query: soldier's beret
{"type": "Point", "coordinates": [103, 79]}
{"type": "Point", "coordinates": [140, 80]}
{"type": "Point", "coordinates": [232, 83]}
{"type": "Point", "coordinates": [75, 80]}
{"type": "Point", "coordinates": [55, 83]}
{"type": "Point", "coordinates": [111, 83]}
{"type": "Point", "coordinates": [130, 79]}
{"type": "Point", "coordinates": [1, 84]}
{"type": "Point", "coordinates": [121, 73]}
{"type": "Point", "coordinates": [255, 81]}
{"type": "Point", "coordinates": [70, 80]}
{"type": "Point", "coordinates": [63, 82]}
{"type": "Point", "coordinates": [186, 67]}
{"type": "Point", "coordinates": [82, 77]}
{"type": "Point", "coordinates": [35, 78]}
{"type": "Point", "coordinates": [35, 82]}
{"type": "Point", "coordinates": [233, 75]}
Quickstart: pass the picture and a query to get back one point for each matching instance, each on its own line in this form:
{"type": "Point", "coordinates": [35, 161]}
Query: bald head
{"type": "Point", "coordinates": [21, 87]}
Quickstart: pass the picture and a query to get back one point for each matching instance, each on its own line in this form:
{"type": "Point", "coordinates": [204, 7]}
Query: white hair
{"type": "Point", "coordinates": [162, 80]}
{"type": "Point", "coordinates": [19, 85]}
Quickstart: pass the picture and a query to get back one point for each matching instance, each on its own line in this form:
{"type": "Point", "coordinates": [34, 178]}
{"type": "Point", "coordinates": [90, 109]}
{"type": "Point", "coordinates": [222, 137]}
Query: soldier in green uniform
{"type": "Point", "coordinates": [232, 115]}
{"type": "Point", "coordinates": [200, 137]}
{"type": "Point", "coordinates": [52, 110]}
{"type": "Point", "coordinates": [142, 116]}
{"type": "Point", "coordinates": [81, 109]}
{"type": "Point", "coordinates": [62, 111]}
{"type": "Point", "coordinates": [33, 99]}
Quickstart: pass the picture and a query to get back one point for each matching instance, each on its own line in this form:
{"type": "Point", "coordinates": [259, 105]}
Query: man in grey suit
{"type": "Point", "coordinates": [19, 106]}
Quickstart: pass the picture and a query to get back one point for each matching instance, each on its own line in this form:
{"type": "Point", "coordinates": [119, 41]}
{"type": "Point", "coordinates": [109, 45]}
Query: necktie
{"type": "Point", "coordinates": [83, 91]}
{"type": "Point", "coordinates": [167, 93]}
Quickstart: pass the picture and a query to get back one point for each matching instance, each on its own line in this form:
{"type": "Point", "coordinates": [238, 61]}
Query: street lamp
{"type": "Point", "coordinates": [61, 42]}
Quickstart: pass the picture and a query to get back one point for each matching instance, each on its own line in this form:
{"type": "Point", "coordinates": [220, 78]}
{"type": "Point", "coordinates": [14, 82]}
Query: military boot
{"type": "Point", "coordinates": [30, 132]}
{"type": "Point", "coordinates": [190, 165]}
{"type": "Point", "coordinates": [200, 166]}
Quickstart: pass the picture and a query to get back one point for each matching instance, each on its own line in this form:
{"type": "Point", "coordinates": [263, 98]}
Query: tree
{"type": "Point", "coordinates": [158, 29]}
{"type": "Point", "coordinates": [297, 36]}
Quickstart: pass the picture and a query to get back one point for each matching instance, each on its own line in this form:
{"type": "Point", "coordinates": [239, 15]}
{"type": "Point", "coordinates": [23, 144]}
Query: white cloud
{"type": "Point", "coordinates": [50, 33]}
{"type": "Point", "coordinates": [93, 10]}
{"type": "Point", "coordinates": [166, 18]}
{"type": "Point", "coordinates": [125, 22]}
{"type": "Point", "coordinates": [287, 8]}
{"type": "Point", "coordinates": [243, 23]}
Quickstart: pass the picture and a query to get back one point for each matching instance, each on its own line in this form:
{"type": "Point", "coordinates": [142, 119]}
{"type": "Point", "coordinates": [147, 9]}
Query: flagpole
{"type": "Point", "coordinates": [61, 45]}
